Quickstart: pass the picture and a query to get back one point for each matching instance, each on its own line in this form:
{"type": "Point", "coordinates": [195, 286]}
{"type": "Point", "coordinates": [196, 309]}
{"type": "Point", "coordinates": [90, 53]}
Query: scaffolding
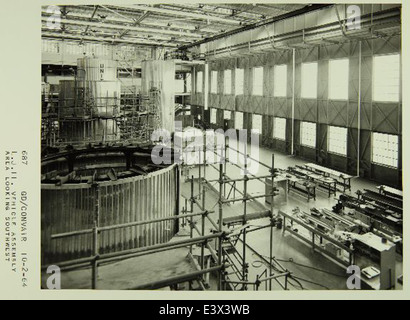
{"type": "Point", "coordinates": [222, 252]}
{"type": "Point", "coordinates": [79, 121]}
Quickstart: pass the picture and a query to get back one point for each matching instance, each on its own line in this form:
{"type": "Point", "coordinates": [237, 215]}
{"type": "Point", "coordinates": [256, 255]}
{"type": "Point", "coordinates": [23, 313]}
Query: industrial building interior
{"type": "Point", "coordinates": [222, 147]}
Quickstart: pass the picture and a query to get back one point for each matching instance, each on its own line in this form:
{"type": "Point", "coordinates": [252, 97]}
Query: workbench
{"type": "Point", "coordinates": [302, 187]}
{"type": "Point", "coordinates": [290, 223]}
{"type": "Point", "coordinates": [326, 183]}
{"type": "Point", "coordinates": [389, 203]}
{"type": "Point", "coordinates": [390, 192]}
{"type": "Point", "coordinates": [344, 180]}
{"type": "Point", "coordinates": [371, 251]}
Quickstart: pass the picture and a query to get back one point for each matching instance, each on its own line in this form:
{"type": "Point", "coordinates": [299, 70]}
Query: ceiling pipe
{"type": "Point", "coordinates": [123, 27]}
{"type": "Point", "coordinates": [52, 35]}
{"type": "Point", "coordinates": [180, 14]}
{"type": "Point", "coordinates": [331, 30]}
{"type": "Point", "coordinates": [307, 9]}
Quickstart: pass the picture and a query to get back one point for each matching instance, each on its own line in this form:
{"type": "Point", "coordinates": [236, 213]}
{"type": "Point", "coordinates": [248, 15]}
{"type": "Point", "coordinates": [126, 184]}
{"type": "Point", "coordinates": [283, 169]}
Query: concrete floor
{"type": "Point", "coordinates": [329, 275]}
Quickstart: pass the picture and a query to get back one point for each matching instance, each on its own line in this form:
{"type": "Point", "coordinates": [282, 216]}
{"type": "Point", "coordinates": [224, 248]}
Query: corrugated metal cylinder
{"type": "Point", "coordinates": [70, 208]}
{"type": "Point", "coordinates": [93, 69]}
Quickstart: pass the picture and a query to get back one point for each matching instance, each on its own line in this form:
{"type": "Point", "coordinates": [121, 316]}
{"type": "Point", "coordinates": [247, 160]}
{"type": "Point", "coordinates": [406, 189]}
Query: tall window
{"type": "Point", "coordinates": [257, 124]}
{"type": "Point", "coordinates": [214, 82]}
{"type": "Point", "coordinates": [279, 128]}
{"type": "Point", "coordinates": [280, 84]}
{"type": "Point", "coordinates": [338, 140]}
{"type": "Point", "coordinates": [238, 120]}
{"type": "Point", "coordinates": [339, 79]}
{"type": "Point", "coordinates": [188, 82]}
{"type": "Point", "coordinates": [180, 86]}
{"type": "Point", "coordinates": [228, 82]}
{"type": "Point", "coordinates": [386, 149]}
{"type": "Point", "coordinates": [386, 78]}
{"type": "Point", "coordinates": [309, 80]}
{"type": "Point", "coordinates": [213, 116]}
{"type": "Point", "coordinates": [199, 82]}
{"type": "Point", "coordinates": [227, 115]}
{"type": "Point", "coordinates": [258, 81]}
{"type": "Point", "coordinates": [239, 81]}
{"type": "Point", "coordinates": [308, 134]}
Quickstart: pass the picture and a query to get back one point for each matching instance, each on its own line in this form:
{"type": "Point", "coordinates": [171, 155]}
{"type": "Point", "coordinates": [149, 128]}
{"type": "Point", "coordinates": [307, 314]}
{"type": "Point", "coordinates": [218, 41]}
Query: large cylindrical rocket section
{"type": "Point", "coordinates": [90, 104]}
{"type": "Point", "coordinates": [158, 82]}
{"type": "Point", "coordinates": [105, 187]}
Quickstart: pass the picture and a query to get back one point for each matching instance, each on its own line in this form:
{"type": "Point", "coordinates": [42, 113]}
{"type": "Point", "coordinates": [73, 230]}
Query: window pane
{"type": "Point", "coordinates": [213, 116]}
{"type": "Point", "coordinates": [338, 140]}
{"type": "Point", "coordinates": [228, 82]}
{"type": "Point", "coordinates": [386, 78]}
{"type": "Point", "coordinates": [308, 134]}
{"type": "Point", "coordinates": [258, 81]}
{"type": "Point", "coordinates": [279, 128]}
{"type": "Point", "coordinates": [309, 80]}
{"type": "Point", "coordinates": [257, 124]}
{"type": "Point", "coordinates": [281, 81]}
{"type": "Point", "coordinates": [188, 83]}
{"type": "Point", "coordinates": [386, 149]}
{"type": "Point", "coordinates": [199, 82]}
{"type": "Point", "coordinates": [180, 86]}
{"type": "Point", "coordinates": [214, 82]}
{"type": "Point", "coordinates": [239, 81]}
{"type": "Point", "coordinates": [339, 79]}
{"type": "Point", "coordinates": [239, 121]}
{"type": "Point", "coordinates": [227, 115]}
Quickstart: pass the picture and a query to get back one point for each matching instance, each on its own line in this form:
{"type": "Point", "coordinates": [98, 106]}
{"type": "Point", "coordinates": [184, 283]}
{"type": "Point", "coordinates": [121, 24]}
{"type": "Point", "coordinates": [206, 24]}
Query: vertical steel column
{"type": "Point", "coordinates": [221, 185]}
{"type": "Point", "coordinates": [245, 209]}
{"type": "Point", "coordinates": [293, 102]}
{"type": "Point", "coordinates": [203, 231]}
{"type": "Point", "coordinates": [359, 110]}
{"type": "Point", "coordinates": [200, 174]}
{"type": "Point", "coordinates": [226, 162]}
{"type": "Point", "coordinates": [272, 225]}
{"type": "Point", "coordinates": [96, 242]}
{"type": "Point", "coordinates": [191, 222]}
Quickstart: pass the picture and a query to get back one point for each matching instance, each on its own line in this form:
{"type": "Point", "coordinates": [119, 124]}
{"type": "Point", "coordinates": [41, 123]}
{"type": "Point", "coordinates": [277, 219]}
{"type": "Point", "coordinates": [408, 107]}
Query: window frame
{"type": "Point", "coordinates": [214, 84]}
{"type": "Point", "coordinates": [226, 85]}
{"type": "Point", "coordinates": [261, 122]}
{"type": "Point", "coordinates": [302, 131]}
{"type": "Point", "coordinates": [242, 86]}
{"type": "Point", "coordinates": [236, 118]}
{"type": "Point", "coordinates": [399, 98]}
{"type": "Point", "coordinates": [274, 128]}
{"type": "Point", "coordinates": [348, 80]}
{"type": "Point", "coordinates": [254, 84]}
{"type": "Point", "coordinates": [396, 167]}
{"type": "Point", "coordinates": [212, 110]}
{"type": "Point", "coordinates": [316, 84]}
{"type": "Point", "coordinates": [329, 140]}
{"type": "Point", "coordinates": [275, 80]}
{"type": "Point", "coordinates": [200, 88]}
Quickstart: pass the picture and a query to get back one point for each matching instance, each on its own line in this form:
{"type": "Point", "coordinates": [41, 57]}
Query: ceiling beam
{"type": "Point", "coordinates": [139, 20]}
{"type": "Point", "coordinates": [129, 28]}
{"type": "Point", "coordinates": [304, 10]}
{"type": "Point", "coordinates": [188, 26]}
{"type": "Point", "coordinates": [56, 35]}
{"type": "Point", "coordinates": [112, 33]}
{"type": "Point", "coordinates": [91, 19]}
{"type": "Point", "coordinates": [180, 13]}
